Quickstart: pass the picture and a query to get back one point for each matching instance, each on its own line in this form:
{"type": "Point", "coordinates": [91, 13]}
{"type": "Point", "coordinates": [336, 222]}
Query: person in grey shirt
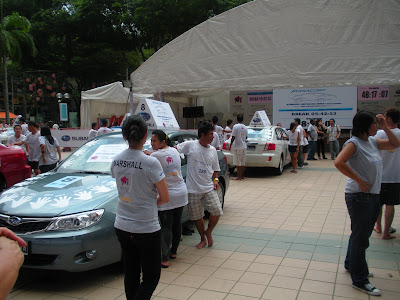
{"type": "Point", "coordinates": [361, 161]}
{"type": "Point", "coordinates": [334, 133]}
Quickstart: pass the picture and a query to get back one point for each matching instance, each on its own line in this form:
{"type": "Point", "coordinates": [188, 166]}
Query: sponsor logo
{"type": "Point", "coordinates": [170, 160]}
{"type": "Point", "coordinates": [65, 138]}
{"type": "Point", "coordinates": [125, 180]}
{"type": "Point", "coordinates": [80, 138]}
{"type": "Point", "coordinates": [238, 99]}
{"type": "Point", "coordinates": [145, 116]}
{"type": "Point", "coordinates": [14, 221]}
{"type": "Point", "coordinates": [256, 120]}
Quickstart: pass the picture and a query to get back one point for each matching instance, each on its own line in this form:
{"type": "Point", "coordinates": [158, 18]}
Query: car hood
{"type": "Point", "coordinates": [55, 194]}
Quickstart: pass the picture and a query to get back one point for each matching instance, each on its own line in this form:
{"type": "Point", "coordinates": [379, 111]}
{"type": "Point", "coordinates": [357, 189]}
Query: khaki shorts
{"type": "Point", "coordinates": [239, 157]}
{"type": "Point", "coordinates": [209, 201]}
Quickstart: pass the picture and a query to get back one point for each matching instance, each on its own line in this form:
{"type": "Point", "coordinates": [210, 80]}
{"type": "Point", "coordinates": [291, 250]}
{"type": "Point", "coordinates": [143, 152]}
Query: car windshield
{"type": "Point", "coordinates": [95, 156]}
{"type": "Point", "coordinates": [7, 132]}
{"type": "Point", "coordinates": [259, 133]}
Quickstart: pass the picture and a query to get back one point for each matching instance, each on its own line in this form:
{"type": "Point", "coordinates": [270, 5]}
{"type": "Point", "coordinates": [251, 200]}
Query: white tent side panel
{"type": "Point", "coordinates": [280, 44]}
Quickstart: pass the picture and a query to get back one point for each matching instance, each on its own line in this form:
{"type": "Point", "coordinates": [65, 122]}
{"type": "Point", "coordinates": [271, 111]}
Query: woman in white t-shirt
{"type": "Point", "coordinates": [170, 214]}
{"type": "Point", "coordinates": [48, 146]}
{"type": "Point", "coordinates": [294, 144]}
{"type": "Point", "coordinates": [139, 179]}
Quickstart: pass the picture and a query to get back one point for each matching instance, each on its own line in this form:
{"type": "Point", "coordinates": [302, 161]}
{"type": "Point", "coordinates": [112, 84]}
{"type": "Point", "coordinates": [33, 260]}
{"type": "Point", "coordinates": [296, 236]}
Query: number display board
{"type": "Point", "coordinates": [157, 114]}
{"type": "Point", "coordinates": [376, 99]}
{"type": "Point", "coordinates": [339, 103]}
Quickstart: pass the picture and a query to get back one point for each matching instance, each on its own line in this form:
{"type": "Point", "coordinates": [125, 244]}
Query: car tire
{"type": "Point", "coordinates": [3, 184]}
{"type": "Point", "coordinates": [279, 169]}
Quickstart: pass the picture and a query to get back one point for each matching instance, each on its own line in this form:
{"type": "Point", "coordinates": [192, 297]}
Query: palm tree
{"type": "Point", "coordinates": [14, 34]}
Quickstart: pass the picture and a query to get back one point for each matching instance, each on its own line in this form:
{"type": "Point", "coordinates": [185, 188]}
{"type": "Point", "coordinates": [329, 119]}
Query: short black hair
{"type": "Point", "coordinates": [134, 129]}
{"type": "Point", "coordinates": [361, 123]}
{"type": "Point", "coordinates": [17, 125]}
{"type": "Point", "coordinates": [104, 122]}
{"type": "Point", "coordinates": [34, 124]}
{"type": "Point", "coordinates": [229, 122]}
{"type": "Point", "coordinates": [239, 118]}
{"type": "Point", "coordinates": [204, 128]}
{"type": "Point", "coordinates": [333, 120]}
{"type": "Point", "coordinates": [94, 125]}
{"type": "Point", "coordinates": [394, 114]}
{"type": "Point", "coordinates": [297, 120]}
{"type": "Point", "coordinates": [292, 125]}
{"type": "Point", "coordinates": [215, 119]}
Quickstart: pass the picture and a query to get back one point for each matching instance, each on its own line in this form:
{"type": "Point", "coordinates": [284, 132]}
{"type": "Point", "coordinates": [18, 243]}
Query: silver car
{"type": "Point", "coordinates": [67, 216]}
{"type": "Point", "coordinates": [266, 147]}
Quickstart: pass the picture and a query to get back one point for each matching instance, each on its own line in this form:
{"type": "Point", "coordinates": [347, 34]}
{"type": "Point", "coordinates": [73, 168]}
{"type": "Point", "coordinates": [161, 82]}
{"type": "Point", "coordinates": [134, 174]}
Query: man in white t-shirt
{"type": "Point", "coordinates": [390, 188]}
{"type": "Point", "coordinates": [219, 130]}
{"type": "Point", "coordinates": [17, 137]}
{"type": "Point", "coordinates": [202, 182]}
{"type": "Point", "coordinates": [103, 129]}
{"type": "Point", "coordinates": [300, 156]}
{"type": "Point", "coordinates": [93, 131]}
{"type": "Point", "coordinates": [32, 144]}
{"type": "Point", "coordinates": [312, 140]}
{"type": "Point", "coordinates": [239, 146]}
{"type": "Point", "coordinates": [215, 141]}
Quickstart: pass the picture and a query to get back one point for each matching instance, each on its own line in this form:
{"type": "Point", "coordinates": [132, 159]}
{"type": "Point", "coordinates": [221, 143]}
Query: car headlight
{"type": "Point", "coordinates": [76, 221]}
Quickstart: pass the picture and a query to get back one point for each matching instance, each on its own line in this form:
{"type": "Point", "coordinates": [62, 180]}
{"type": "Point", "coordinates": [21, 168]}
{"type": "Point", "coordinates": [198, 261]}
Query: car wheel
{"type": "Point", "coordinates": [279, 169]}
{"type": "Point", "coordinates": [3, 184]}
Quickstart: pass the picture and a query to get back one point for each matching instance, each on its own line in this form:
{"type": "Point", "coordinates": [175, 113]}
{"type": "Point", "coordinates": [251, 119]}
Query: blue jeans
{"type": "Point", "coordinates": [363, 210]}
{"type": "Point", "coordinates": [311, 150]}
{"type": "Point", "coordinates": [334, 148]}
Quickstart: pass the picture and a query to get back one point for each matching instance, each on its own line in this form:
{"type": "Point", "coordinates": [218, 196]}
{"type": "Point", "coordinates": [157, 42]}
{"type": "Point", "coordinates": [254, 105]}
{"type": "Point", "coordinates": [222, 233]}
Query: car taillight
{"type": "Point", "coordinates": [225, 146]}
{"type": "Point", "coordinates": [269, 146]}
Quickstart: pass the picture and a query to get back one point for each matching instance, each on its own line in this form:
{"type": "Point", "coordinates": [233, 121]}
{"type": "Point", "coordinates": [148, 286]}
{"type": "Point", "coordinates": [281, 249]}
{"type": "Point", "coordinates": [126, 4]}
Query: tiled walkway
{"type": "Point", "coordinates": [281, 237]}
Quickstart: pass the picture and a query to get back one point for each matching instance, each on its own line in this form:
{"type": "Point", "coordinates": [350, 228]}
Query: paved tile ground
{"type": "Point", "coordinates": [281, 237]}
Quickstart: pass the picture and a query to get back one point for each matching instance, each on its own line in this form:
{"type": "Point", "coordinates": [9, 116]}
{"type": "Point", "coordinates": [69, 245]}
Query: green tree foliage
{"type": "Point", "coordinates": [14, 37]}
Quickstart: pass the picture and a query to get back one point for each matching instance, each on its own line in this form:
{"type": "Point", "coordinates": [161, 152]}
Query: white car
{"type": "Point", "coordinates": [266, 147]}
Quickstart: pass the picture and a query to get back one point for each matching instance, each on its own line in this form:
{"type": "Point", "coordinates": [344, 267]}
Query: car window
{"type": "Point", "coordinates": [259, 133]}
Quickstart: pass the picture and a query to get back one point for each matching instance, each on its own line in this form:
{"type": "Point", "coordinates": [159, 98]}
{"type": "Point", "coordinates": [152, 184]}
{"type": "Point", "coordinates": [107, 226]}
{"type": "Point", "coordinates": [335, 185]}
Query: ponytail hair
{"type": "Point", "coordinates": [162, 136]}
{"type": "Point", "coordinates": [134, 129]}
{"type": "Point", "coordinates": [45, 131]}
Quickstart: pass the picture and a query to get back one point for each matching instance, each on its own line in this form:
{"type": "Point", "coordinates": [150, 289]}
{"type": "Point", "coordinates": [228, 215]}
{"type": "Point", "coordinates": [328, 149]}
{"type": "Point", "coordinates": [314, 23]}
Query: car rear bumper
{"type": "Point", "coordinates": [67, 250]}
{"type": "Point", "coordinates": [266, 159]}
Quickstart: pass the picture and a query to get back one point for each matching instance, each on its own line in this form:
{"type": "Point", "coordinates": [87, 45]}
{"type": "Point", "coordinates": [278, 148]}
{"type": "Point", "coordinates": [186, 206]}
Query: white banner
{"type": "Point", "coordinates": [71, 137]}
{"type": "Point", "coordinates": [339, 103]}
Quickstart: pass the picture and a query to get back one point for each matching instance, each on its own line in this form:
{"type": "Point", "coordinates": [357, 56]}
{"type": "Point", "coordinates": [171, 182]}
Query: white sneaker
{"type": "Point", "coordinates": [368, 289]}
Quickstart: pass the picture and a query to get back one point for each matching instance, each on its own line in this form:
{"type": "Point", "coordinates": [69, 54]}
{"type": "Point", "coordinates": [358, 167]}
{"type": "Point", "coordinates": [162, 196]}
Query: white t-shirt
{"type": "Point", "coordinates": [170, 161]}
{"type": "Point", "coordinates": [12, 139]}
{"type": "Point", "coordinates": [92, 134]}
{"type": "Point", "coordinates": [293, 137]}
{"type": "Point", "coordinates": [51, 151]}
{"type": "Point", "coordinates": [239, 131]}
{"type": "Point", "coordinates": [215, 141]}
{"type": "Point", "coordinates": [202, 163]}
{"type": "Point", "coordinates": [313, 133]}
{"type": "Point", "coordinates": [301, 133]}
{"type": "Point", "coordinates": [227, 135]}
{"type": "Point", "coordinates": [34, 146]}
{"type": "Point", "coordinates": [136, 175]}
{"type": "Point", "coordinates": [391, 159]}
{"type": "Point", "coordinates": [24, 128]}
{"type": "Point", "coordinates": [103, 130]}
{"type": "Point", "coordinates": [219, 130]}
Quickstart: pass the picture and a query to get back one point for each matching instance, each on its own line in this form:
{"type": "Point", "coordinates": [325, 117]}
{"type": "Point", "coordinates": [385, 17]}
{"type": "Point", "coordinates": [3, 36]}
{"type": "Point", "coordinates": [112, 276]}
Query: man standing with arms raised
{"type": "Point", "coordinates": [239, 146]}
{"type": "Point", "coordinates": [390, 188]}
{"type": "Point", "coordinates": [202, 182]}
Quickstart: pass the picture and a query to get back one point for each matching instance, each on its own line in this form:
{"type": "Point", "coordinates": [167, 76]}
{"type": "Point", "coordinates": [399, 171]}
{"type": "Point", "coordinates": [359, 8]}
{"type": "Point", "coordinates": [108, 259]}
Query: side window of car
{"type": "Point", "coordinates": [278, 134]}
{"type": "Point", "coordinates": [284, 134]}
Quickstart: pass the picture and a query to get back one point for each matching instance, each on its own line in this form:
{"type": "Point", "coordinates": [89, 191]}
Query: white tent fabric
{"type": "Point", "coordinates": [106, 101]}
{"type": "Point", "coordinates": [280, 44]}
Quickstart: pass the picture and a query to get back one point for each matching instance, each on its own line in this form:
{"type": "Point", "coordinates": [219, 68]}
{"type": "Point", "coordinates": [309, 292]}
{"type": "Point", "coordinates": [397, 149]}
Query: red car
{"type": "Point", "coordinates": [13, 167]}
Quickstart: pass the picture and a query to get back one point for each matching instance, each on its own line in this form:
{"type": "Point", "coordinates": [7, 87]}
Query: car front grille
{"type": "Point", "coordinates": [25, 225]}
{"type": "Point", "coordinates": [39, 259]}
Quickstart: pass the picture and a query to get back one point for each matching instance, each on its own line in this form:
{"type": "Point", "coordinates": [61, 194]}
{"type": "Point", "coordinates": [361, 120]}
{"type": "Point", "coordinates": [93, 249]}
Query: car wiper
{"type": "Point", "coordinates": [91, 172]}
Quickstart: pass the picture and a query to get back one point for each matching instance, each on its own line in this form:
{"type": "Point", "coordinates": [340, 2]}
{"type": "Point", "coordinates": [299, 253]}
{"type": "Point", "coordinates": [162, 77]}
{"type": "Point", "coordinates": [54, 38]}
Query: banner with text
{"type": "Point", "coordinates": [339, 103]}
{"type": "Point", "coordinates": [248, 102]}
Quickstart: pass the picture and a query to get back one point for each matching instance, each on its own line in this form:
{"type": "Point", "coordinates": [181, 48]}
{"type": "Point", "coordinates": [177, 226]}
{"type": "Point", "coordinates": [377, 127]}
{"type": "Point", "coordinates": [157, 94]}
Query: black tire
{"type": "Point", "coordinates": [279, 169]}
{"type": "Point", "coordinates": [3, 184]}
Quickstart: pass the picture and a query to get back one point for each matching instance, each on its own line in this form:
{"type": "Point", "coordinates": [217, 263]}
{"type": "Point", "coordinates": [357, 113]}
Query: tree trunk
{"type": "Point", "coordinates": [6, 90]}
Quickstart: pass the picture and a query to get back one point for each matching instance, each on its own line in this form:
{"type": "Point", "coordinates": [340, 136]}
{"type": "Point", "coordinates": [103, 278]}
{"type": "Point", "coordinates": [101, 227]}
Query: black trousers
{"type": "Point", "coordinates": [141, 252]}
{"type": "Point", "coordinates": [321, 148]}
{"type": "Point", "coordinates": [171, 231]}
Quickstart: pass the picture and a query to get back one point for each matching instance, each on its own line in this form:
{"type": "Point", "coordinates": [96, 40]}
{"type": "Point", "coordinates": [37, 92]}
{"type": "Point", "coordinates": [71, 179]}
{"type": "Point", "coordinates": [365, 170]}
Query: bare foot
{"type": "Point", "coordinates": [377, 230]}
{"type": "Point", "coordinates": [209, 238]}
{"type": "Point", "coordinates": [201, 244]}
{"type": "Point", "coordinates": [388, 237]}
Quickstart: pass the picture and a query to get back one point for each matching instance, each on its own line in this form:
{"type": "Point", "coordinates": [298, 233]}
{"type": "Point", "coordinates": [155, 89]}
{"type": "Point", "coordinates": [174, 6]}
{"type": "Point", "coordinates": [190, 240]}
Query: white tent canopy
{"type": "Point", "coordinates": [280, 44]}
{"type": "Point", "coordinates": [106, 101]}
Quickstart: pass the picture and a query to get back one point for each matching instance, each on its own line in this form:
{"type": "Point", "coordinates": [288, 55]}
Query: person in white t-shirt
{"type": "Point", "coordinates": [202, 182]}
{"type": "Point", "coordinates": [228, 130]}
{"type": "Point", "coordinates": [139, 179]}
{"type": "Point", "coordinates": [239, 146]}
{"type": "Point", "coordinates": [17, 137]}
{"type": "Point", "coordinates": [93, 131]}
{"type": "Point", "coordinates": [32, 144]}
{"type": "Point", "coordinates": [170, 214]}
{"type": "Point", "coordinates": [49, 147]}
{"type": "Point", "coordinates": [24, 126]}
{"type": "Point", "coordinates": [215, 141]}
{"type": "Point", "coordinates": [220, 132]}
{"type": "Point", "coordinates": [303, 140]}
{"type": "Point", "coordinates": [103, 129]}
{"type": "Point", "coordinates": [390, 187]}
